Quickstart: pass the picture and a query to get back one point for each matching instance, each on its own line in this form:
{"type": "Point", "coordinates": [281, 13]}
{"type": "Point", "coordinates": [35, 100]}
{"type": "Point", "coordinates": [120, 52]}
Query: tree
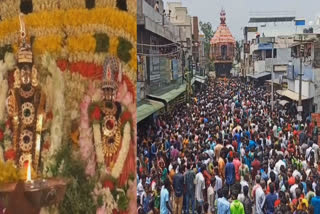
{"type": "Point", "coordinates": [206, 28]}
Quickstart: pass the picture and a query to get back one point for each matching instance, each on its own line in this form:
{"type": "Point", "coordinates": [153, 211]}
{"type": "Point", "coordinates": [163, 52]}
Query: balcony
{"type": "Point", "coordinates": [156, 22]}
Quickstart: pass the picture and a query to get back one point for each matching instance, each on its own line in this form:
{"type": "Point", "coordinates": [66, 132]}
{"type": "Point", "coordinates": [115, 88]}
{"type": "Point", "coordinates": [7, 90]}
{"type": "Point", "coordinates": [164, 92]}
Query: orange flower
{"type": "Point", "coordinates": [10, 154]}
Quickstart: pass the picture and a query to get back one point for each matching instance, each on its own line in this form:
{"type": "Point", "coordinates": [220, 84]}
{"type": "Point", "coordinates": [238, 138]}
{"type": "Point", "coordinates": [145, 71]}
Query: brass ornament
{"type": "Point", "coordinates": [26, 94]}
{"type": "Point", "coordinates": [23, 158]}
{"type": "Point", "coordinates": [111, 144]}
{"type": "Point", "coordinates": [34, 76]}
{"type": "Point", "coordinates": [11, 104]}
{"type": "Point", "coordinates": [28, 113]}
{"type": "Point", "coordinates": [109, 126]}
{"type": "Point", "coordinates": [17, 80]}
{"type": "Point", "coordinates": [26, 140]}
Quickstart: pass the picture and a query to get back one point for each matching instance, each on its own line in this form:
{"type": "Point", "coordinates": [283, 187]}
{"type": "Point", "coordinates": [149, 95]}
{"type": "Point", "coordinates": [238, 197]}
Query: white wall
{"type": "Point", "coordinates": [307, 88]}
{"type": "Point", "coordinates": [259, 66]}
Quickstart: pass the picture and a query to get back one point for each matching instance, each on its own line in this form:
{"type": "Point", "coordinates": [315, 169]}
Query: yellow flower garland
{"type": "Point", "coordinates": [51, 44]}
{"type": "Point", "coordinates": [84, 43]}
{"type": "Point", "coordinates": [115, 19]}
{"type": "Point", "coordinates": [41, 5]}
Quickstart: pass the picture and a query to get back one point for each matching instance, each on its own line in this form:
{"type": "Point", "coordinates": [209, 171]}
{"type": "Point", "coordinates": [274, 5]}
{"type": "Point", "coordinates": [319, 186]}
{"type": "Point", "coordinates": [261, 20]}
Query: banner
{"type": "Point", "coordinates": [316, 61]}
{"type": "Point", "coordinates": [175, 69]}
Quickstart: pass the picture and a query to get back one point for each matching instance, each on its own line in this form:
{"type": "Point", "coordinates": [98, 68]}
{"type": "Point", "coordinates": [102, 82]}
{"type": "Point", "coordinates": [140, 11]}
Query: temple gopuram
{"type": "Point", "coordinates": [222, 49]}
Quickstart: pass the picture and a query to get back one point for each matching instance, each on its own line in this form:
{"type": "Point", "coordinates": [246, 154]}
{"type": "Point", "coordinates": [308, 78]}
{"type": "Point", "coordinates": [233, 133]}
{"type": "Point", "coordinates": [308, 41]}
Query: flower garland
{"type": "Point", "coordinates": [85, 139]}
{"type": "Point", "coordinates": [84, 42]}
{"type": "Point", "coordinates": [41, 5]}
{"type": "Point", "coordinates": [58, 108]}
{"type": "Point", "coordinates": [118, 167]}
{"type": "Point", "coordinates": [80, 18]}
{"type": "Point", "coordinates": [9, 8]}
{"type": "Point", "coordinates": [8, 64]}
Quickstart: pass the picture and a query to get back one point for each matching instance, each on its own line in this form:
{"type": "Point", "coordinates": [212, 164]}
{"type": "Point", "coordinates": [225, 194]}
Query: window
{"type": "Point", "coordinates": [224, 51]}
{"type": "Point", "coordinates": [268, 54]}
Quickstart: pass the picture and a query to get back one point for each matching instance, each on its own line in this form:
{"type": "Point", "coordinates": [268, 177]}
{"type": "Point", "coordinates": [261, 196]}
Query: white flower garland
{"type": "Point", "coordinates": [5, 66]}
{"type": "Point", "coordinates": [98, 143]}
{"type": "Point", "coordinates": [58, 107]}
{"type": "Point", "coordinates": [126, 138]}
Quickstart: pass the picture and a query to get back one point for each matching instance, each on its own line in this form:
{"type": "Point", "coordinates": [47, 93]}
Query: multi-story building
{"type": "Point", "coordinates": [180, 18]}
{"type": "Point", "coordinates": [164, 48]}
{"type": "Point", "coordinates": [307, 59]}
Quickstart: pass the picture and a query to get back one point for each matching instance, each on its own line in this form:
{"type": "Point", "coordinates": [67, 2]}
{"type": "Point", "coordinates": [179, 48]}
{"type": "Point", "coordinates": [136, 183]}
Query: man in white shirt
{"type": "Point", "coordinates": [279, 164]}
{"type": "Point", "coordinates": [260, 198]}
{"type": "Point", "coordinates": [294, 187]}
{"type": "Point", "coordinates": [200, 187]}
{"type": "Point", "coordinates": [211, 196]}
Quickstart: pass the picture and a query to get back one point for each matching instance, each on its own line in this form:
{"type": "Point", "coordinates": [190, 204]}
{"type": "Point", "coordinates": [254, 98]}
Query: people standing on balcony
{"type": "Point", "coordinates": [156, 7]}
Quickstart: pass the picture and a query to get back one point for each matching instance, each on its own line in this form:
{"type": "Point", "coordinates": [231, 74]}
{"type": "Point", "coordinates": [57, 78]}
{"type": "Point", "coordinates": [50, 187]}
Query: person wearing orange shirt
{"type": "Point", "coordinates": [221, 167]}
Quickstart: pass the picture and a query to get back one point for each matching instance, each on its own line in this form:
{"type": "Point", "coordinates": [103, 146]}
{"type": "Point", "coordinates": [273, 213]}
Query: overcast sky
{"type": "Point", "coordinates": [238, 10]}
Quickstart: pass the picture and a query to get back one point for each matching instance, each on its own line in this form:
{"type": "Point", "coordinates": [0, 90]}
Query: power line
{"type": "Point", "coordinates": [149, 45]}
{"type": "Point", "coordinates": [167, 54]}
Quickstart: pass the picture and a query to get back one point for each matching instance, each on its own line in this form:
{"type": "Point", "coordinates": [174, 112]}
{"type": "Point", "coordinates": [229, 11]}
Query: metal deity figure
{"type": "Point", "coordinates": [113, 133]}
{"type": "Point", "coordinates": [26, 106]}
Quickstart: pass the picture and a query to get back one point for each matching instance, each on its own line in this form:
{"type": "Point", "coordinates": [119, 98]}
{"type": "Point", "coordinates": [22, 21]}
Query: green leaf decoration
{"type": "Point", "coordinates": [78, 198]}
{"type": "Point", "coordinates": [123, 202]}
{"type": "Point", "coordinates": [124, 49]}
{"type": "Point", "coordinates": [4, 50]}
{"type": "Point", "coordinates": [102, 42]}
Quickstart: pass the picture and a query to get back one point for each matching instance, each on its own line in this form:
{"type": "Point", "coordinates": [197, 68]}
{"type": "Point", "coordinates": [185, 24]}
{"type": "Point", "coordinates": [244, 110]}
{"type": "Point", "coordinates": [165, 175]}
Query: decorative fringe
{"type": "Point", "coordinates": [122, 5]}
{"type": "Point", "coordinates": [26, 6]}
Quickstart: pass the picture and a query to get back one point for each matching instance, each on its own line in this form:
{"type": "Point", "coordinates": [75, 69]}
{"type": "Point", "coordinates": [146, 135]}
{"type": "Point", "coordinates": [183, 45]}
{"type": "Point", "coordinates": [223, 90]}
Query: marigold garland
{"type": "Point", "coordinates": [114, 19]}
{"type": "Point", "coordinates": [85, 43]}
{"type": "Point", "coordinates": [51, 44]}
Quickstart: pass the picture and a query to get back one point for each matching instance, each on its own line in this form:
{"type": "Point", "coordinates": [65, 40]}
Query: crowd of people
{"type": "Point", "coordinates": [228, 152]}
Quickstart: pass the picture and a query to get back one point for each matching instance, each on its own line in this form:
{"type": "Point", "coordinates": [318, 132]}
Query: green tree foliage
{"type": "Point", "coordinates": [206, 28]}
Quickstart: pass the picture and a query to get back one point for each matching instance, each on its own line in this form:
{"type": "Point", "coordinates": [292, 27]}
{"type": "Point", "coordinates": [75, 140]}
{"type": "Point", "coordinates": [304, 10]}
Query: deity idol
{"type": "Point", "coordinates": [26, 107]}
{"type": "Point", "coordinates": [112, 130]}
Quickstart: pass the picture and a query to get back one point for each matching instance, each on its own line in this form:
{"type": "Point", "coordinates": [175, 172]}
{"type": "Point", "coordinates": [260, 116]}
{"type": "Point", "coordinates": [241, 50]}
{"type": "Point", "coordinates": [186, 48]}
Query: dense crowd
{"type": "Point", "coordinates": [228, 152]}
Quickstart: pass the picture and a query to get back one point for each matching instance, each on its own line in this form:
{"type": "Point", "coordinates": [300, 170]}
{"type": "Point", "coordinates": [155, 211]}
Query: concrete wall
{"type": "Point", "coordinates": [155, 22]}
{"type": "Point", "coordinates": [307, 88]}
{"type": "Point", "coordinates": [259, 66]}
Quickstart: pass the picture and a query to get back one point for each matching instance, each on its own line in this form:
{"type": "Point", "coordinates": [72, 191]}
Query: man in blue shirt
{"type": "Point", "coordinates": [315, 201]}
{"type": "Point", "coordinates": [270, 199]}
{"type": "Point", "coordinates": [252, 144]}
{"type": "Point", "coordinates": [223, 204]}
{"type": "Point", "coordinates": [164, 198]}
{"type": "Point", "coordinates": [230, 172]}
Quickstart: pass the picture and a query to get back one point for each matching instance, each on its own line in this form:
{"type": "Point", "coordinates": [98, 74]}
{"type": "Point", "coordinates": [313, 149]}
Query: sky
{"type": "Point", "coordinates": [238, 11]}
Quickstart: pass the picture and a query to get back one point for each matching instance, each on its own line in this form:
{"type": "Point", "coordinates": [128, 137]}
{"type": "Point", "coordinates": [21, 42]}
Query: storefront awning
{"type": "Point", "coordinates": [147, 107]}
{"type": "Point", "coordinates": [172, 94]}
{"type": "Point", "coordinates": [291, 95]}
{"type": "Point", "coordinates": [259, 75]}
{"type": "Point", "coordinates": [201, 79]}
